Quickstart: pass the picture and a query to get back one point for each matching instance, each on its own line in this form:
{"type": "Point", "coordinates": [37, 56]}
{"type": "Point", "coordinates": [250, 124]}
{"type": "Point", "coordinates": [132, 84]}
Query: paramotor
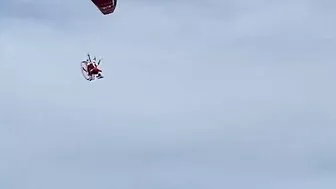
{"type": "Point", "coordinates": [90, 69]}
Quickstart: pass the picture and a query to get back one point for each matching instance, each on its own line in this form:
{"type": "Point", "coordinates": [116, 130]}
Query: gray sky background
{"type": "Point", "coordinates": [197, 95]}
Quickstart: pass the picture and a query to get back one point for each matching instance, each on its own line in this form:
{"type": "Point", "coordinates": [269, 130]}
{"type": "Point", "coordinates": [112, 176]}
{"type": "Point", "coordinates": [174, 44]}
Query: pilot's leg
{"type": "Point", "coordinates": [100, 76]}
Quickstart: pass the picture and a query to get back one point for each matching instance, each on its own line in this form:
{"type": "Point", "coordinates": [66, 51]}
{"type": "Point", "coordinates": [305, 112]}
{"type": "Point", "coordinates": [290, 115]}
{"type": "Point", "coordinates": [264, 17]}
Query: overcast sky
{"type": "Point", "coordinates": [197, 95]}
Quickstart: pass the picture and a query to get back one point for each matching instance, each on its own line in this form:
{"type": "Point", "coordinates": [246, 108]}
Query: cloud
{"type": "Point", "coordinates": [196, 95]}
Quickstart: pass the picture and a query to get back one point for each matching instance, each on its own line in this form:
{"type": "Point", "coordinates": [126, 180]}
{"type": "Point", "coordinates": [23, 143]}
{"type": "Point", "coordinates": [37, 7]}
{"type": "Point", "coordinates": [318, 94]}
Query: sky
{"type": "Point", "coordinates": [197, 95]}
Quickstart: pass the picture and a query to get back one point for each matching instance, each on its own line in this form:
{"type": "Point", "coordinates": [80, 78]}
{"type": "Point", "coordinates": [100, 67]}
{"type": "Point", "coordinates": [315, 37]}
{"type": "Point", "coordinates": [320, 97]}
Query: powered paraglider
{"type": "Point", "coordinates": [90, 69]}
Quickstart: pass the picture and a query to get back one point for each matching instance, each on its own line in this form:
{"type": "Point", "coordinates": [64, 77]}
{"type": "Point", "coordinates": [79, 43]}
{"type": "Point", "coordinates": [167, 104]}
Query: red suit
{"type": "Point", "coordinates": [93, 70]}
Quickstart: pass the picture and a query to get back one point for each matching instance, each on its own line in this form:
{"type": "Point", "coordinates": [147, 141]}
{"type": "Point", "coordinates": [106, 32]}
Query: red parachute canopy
{"type": "Point", "coordinates": [105, 6]}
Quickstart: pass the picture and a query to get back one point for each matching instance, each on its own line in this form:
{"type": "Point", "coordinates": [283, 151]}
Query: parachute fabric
{"type": "Point", "coordinates": [105, 6]}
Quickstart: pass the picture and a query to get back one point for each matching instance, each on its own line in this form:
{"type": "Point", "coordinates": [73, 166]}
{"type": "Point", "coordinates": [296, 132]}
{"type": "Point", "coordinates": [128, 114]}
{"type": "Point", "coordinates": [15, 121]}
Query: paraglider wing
{"type": "Point", "coordinates": [105, 6]}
